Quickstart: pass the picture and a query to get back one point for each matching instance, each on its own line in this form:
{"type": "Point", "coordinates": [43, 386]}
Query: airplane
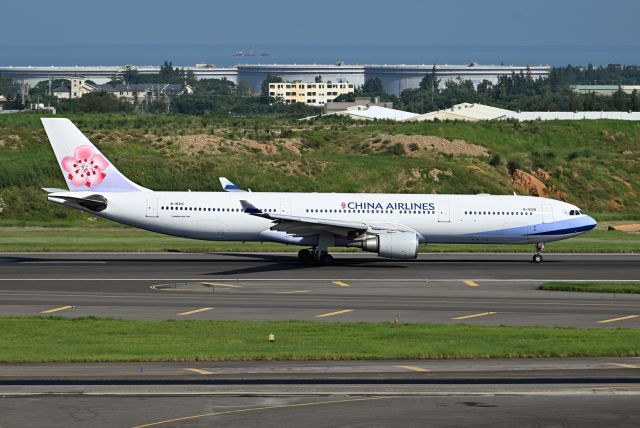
{"type": "Point", "coordinates": [391, 225]}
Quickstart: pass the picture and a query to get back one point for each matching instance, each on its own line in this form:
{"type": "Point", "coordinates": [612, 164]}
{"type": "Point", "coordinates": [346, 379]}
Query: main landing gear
{"type": "Point", "coordinates": [315, 256]}
{"type": "Point", "coordinates": [537, 257]}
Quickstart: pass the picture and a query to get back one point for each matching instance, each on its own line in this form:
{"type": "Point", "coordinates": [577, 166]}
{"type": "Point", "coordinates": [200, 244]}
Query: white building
{"type": "Point", "coordinates": [316, 94]}
{"type": "Point", "coordinates": [3, 101]}
{"type": "Point", "coordinates": [361, 112]}
{"type": "Point", "coordinates": [465, 112]}
{"type": "Point", "coordinates": [570, 115]}
{"type": "Point", "coordinates": [75, 88]}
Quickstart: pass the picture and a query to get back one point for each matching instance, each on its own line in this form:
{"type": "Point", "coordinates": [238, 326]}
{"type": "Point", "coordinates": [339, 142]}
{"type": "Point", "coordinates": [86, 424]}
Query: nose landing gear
{"type": "Point", "coordinates": [537, 257]}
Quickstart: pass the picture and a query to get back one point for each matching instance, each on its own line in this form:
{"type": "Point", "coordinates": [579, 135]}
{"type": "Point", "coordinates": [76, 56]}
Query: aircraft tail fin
{"type": "Point", "coordinates": [84, 167]}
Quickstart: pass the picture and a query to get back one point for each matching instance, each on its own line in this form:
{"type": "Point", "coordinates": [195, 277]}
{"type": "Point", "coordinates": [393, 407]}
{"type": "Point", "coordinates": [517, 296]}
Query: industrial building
{"type": "Point", "coordinates": [477, 112]}
{"type": "Point", "coordinates": [604, 89]}
{"type": "Point", "coordinates": [465, 112]}
{"type": "Point", "coordinates": [335, 106]}
{"type": "Point", "coordinates": [395, 78]}
{"type": "Point", "coordinates": [316, 94]}
{"type": "Point", "coordinates": [570, 115]}
{"type": "Point", "coordinates": [376, 113]}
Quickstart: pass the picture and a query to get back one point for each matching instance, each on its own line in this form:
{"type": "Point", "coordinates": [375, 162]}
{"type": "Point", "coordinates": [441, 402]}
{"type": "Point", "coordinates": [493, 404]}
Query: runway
{"type": "Point", "coordinates": [483, 289]}
{"type": "Point", "coordinates": [479, 289]}
{"type": "Point", "coordinates": [527, 392]}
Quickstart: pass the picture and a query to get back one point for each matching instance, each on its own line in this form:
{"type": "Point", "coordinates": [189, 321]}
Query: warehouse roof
{"type": "Point", "coordinates": [465, 111]}
{"type": "Point", "coordinates": [376, 112]}
{"type": "Point", "coordinates": [570, 115]}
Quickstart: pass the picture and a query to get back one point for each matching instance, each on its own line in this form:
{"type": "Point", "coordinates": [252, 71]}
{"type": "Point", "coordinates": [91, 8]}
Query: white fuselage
{"type": "Point", "coordinates": [435, 218]}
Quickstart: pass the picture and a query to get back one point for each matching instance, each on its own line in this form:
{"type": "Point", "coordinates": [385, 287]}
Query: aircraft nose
{"type": "Point", "coordinates": [591, 222]}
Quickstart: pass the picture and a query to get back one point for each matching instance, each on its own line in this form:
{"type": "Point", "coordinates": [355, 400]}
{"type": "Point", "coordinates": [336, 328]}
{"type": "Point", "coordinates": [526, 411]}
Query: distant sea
{"type": "Point", "coordinates": [221, 55]}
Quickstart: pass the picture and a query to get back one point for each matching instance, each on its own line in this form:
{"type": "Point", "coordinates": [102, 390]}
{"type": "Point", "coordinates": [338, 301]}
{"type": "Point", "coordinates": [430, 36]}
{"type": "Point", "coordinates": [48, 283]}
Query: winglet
{"type": "Point", "coordinates": [228, 186]}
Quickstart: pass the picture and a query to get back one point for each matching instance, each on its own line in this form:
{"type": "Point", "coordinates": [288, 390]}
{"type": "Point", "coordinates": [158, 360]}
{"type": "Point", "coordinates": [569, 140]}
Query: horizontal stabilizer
{"type": "Point", "coordinates": [91, 202]}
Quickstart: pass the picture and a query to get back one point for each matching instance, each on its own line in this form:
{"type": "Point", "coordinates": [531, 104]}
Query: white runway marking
{"type": "Point", "coordinates": [64, 262]}
{"type": "Point", "coordinates": [423, 280]}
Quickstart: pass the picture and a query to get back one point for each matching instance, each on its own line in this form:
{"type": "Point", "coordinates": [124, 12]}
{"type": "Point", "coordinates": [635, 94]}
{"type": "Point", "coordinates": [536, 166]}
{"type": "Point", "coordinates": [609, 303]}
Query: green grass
{"type": "Point", "coordinates": [592, 287]}
{"type": "Point", "coordinates": [593, 164]}
{"type": "Point", "coordinates": [135, 240]}
{"type": "Point", "coordinates": [59, 339]}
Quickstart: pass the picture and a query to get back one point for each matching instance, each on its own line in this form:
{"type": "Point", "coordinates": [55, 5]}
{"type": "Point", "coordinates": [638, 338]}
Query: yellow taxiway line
{"type": "Point", "coordinates": [220, 284]}
{"type": "Point", "coordinates": [341, 284]}
{"type": "Point", "coordinates": [626, 366]}
{"type": "Point", "coordinates": [474, 316]}
{"type": "Point", "coordinates": [471, 283]}
{"type": "Point", "coordinates": [200, 371]}
{"type": "Point", "coordinates": [195, 311]}
{"type": "Point", "coordinates": [61, 308]}
{"type": "Point", "coordinates": [330, 314]}
{"type": "Point", "coordinates": [413, 368]}
{"type": "Point", "coordinates": [628, 317]}
{"type": "Point", "coordinates": [257, 409]}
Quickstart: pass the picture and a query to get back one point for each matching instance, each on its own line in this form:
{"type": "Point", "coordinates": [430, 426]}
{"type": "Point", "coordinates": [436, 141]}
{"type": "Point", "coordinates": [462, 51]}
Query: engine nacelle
{"type": "Point", "coordinates": [393, 245]}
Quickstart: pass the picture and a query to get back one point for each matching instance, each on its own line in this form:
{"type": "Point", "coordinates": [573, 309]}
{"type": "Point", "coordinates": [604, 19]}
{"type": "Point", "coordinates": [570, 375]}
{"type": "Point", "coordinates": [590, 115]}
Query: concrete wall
{"type": "Point", "coordinates": [397, 78]}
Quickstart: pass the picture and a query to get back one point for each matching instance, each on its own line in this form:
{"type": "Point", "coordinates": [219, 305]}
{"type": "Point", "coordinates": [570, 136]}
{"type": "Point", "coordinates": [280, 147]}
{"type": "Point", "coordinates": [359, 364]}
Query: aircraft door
{"type": "Point", "coordinates": [547, 213]}
{"type": "Point", "coordinates": [152, 207]}
{"type": "Point", "coordinates": [444, 215]}
{"type": "Point", "coordinates": [285, 207]}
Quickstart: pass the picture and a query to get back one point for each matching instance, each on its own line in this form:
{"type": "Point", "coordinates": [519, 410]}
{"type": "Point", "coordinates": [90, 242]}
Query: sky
{"type": "Point", "coordinates": [327, 22]}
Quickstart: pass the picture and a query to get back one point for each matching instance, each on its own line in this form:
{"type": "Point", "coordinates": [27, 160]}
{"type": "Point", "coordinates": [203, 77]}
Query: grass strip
{"type": "Point", "coordinates": [135, 240]}
{"type": "Point", "coordinates": [58, 339]}
{"type": "Point", "coordinates": [593, 287]}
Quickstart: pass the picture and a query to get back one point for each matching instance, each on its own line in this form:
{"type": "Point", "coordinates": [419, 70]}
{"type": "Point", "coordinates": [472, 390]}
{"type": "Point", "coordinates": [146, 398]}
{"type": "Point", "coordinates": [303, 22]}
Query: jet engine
{"type": "Point", "coordinates": [393, 245]}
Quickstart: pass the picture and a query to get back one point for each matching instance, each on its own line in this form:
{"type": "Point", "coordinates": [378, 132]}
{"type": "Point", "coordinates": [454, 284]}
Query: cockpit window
{"type": "Point", "coordinates": [572, 212]}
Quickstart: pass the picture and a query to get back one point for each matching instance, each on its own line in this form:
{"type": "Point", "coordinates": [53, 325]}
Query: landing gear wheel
{"type": "Point", "coordinates": [304, 255]}
{"type": "Point", "coordinates": [326, 259]}
{"type": "Point", "coordinates": [537, 258]}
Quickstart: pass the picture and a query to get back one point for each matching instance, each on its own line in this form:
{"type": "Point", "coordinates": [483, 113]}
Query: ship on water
{"type": "Point", "coordinates": [244, 53]}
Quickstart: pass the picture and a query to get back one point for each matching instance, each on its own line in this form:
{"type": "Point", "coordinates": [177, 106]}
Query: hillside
{"type": "Point", "coordinates": [595, 165]}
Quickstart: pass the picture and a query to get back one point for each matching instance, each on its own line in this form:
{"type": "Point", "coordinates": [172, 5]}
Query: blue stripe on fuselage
{"type": "Point", "coordinates": [562, 227]}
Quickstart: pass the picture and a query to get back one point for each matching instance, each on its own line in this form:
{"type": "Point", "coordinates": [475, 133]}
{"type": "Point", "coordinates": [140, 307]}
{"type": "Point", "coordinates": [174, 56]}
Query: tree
{"type": "Point", "coordinates": [619, 99]}
{"type": "Point", "coordinates": [166, 71]}
{"type": "Point", "coordinates": [270, 79]}
{"type": "Point", "coordinates": [634, 103]}
{"type": "Point", "coordinates": [430, 82]}
{"type": "Point", "coordinates": [318, 78]}
{"type": "Point", "coordinates": [130, 75]}
{"type": "Point", "coordinates": [373, 86]}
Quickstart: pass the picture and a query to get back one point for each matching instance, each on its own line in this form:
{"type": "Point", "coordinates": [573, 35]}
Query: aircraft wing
{"type": "Point", "coordinates": [308, 226]}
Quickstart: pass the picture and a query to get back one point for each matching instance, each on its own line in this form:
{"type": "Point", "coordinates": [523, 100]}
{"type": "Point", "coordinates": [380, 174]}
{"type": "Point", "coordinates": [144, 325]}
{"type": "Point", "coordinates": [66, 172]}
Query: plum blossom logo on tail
{"type": "Point", "coordinates": [85, 167]}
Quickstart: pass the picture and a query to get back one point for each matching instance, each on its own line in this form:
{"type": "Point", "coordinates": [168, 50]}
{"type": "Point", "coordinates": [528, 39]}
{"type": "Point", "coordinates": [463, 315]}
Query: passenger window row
{"type": "Point", "coordinates": [498, 213]}
{"type": "Point", "coordinates": [178, 208]}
